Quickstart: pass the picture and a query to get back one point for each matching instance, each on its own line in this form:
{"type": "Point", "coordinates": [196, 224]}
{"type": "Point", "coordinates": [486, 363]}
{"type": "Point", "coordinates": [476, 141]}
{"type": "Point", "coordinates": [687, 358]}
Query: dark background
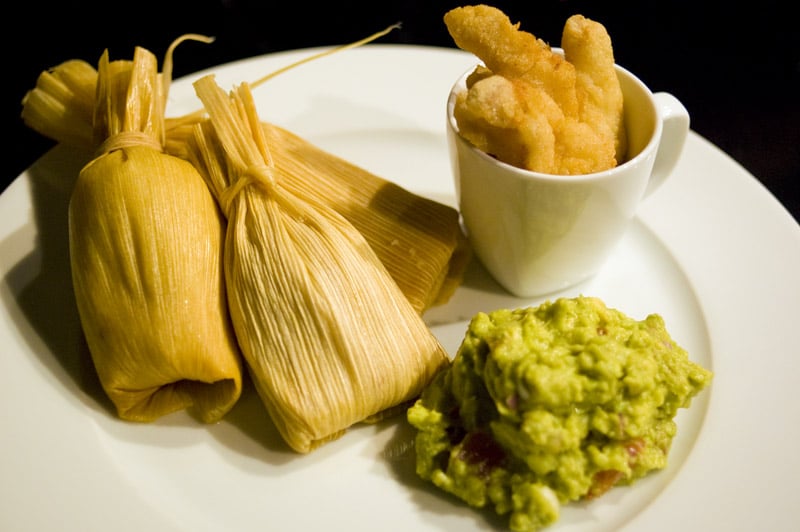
{"type": "Point", "coordinates": [735, 66]}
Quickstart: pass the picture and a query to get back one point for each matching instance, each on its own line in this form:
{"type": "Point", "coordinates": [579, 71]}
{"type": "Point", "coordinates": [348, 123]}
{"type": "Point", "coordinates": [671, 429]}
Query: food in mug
{"type": "Point", "coordinates": [328, 337]}
{"type": "Point", "coordinates": [532, 107]}
{"type": "Point", "coordinates": [552, 404]}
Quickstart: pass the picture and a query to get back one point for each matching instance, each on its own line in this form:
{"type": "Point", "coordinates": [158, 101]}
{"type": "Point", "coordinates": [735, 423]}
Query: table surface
{"type": "Point", "coordinates": [736, 67]}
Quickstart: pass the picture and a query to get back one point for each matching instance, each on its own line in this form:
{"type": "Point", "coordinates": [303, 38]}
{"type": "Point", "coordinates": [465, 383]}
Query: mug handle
{"type": "Point", "coordinates": [675, 124]}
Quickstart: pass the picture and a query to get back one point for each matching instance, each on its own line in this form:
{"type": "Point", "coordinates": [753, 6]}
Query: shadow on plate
{"type": "Point", "coordinates": [400, 456]}
{"type": "Point", "coordinates": [41, 288]}
{"type": "Point", "coordinates": [41, 281]}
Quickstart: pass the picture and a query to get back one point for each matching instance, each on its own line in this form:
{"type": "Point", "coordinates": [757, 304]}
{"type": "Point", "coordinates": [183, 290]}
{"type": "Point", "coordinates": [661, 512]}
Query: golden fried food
{"type": "Point", "coordinates": [510, 119]}
{"type": "Point", "coordinates": [533, 107]}
{"type": "Point", "coordinates": [587, 46]}
{"type": "Point", "coordinates": [505, 50]}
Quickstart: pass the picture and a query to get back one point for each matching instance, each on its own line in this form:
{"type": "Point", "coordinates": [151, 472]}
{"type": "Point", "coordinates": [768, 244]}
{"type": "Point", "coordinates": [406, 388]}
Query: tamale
{"type": "Point", "coordinates": [145, 240]}
{"type": "Point", "coordinates": [418, 239]}
{"type": "Point", "coordinates": [327, 335]}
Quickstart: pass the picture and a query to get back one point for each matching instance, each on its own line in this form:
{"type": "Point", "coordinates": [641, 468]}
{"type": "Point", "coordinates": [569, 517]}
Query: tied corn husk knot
{"type": "Point", "coordinates": [419, 240]}
{"type": "Point", "coordinates": [128, 139]}
{"type": "Point", "coordinates": [256, 175]}
{"type": "Point", "coordinates": [327, 335]}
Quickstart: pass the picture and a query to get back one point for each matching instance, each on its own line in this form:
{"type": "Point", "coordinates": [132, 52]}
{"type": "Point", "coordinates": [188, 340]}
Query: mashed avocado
{"type": "Point", "coordinates": [547, 405]}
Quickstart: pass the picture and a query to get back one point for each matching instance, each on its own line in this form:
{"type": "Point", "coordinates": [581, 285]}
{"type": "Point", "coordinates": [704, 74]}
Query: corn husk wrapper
{"type": "Point", "coordinates": [419, 240]}
{"type": "Point", "coordinates": [327, 335]}
{"type": "Point", "coordinates": [61, 105]}
{"type": "Point", "coordinates": [146, 252]}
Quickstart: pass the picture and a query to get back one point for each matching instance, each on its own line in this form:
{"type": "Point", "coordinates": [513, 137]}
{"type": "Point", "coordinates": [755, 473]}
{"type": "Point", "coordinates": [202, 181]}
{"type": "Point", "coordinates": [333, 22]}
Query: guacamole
{"type": "Point", "coordinates": [552, 404]}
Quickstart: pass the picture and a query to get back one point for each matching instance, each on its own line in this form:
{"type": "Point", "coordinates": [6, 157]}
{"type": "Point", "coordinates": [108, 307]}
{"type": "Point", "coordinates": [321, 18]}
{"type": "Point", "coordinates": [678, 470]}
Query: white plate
{"type": "Point", "coordinates": [712, 251]}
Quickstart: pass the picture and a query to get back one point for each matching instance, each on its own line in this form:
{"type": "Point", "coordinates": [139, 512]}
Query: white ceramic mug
{"type": "Point", "coordinates": [539, 233]}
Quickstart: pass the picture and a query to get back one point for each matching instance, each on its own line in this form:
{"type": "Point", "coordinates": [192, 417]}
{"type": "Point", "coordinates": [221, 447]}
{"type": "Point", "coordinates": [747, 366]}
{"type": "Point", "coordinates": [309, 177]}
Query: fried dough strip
{"type": "Point", "coordinates": [587, 46]}
{"type": "Point", "coordinates": [505, 50]}
{"type": "Point", "coordinates": [505, 128]}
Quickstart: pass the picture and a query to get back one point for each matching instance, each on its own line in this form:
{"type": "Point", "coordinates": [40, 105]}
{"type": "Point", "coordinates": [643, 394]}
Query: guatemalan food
{"type": "Point", "coordinates": [541, 406]}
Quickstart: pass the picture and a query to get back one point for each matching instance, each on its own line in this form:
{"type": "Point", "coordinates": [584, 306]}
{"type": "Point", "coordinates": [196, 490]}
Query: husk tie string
{"type": "Point", "coordinates": [128, 139]}
{"type": "Point", "coordinates": [260, 175]}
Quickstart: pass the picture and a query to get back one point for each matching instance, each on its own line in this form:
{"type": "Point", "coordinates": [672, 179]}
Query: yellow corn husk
{"type": "Point", "coordinates": [419, 240]}
{"type": "Point", "coordinates": [61, 104]}
{"type": "Point", "coordinates": [146, 256]}
{"type": "Point", "coordinates": [327, 335]}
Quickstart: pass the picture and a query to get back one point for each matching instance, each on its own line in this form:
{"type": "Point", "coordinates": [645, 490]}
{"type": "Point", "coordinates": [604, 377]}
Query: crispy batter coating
{"type": "Point", "coordinates": [496, 116]}
{"type": "Point", "coordinates": [505, 50]}
{"type": "Point", "coordinates": [587, 45]}
{"type": "Point", "coordinates": [532, 107]}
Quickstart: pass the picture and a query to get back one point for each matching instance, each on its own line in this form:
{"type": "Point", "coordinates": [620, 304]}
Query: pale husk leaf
{"type": "Point", "coordinates": [418, 240]}
{"type": "Point", "coordinates": [60, 106]}
{"type": "Point", "coordinates": [329, 338]}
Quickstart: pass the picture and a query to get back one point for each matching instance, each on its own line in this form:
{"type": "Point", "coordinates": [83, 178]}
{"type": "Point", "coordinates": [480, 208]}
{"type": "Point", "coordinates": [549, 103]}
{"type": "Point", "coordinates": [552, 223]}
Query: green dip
{"type": "Point", "coordinates": [547, 405]}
